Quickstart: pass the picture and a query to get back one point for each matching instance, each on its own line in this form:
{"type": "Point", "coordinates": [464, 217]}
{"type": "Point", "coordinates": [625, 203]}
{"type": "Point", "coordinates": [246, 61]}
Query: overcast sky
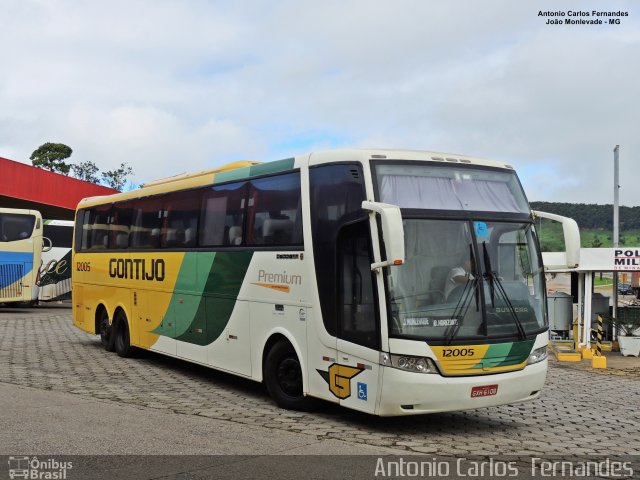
{"type": "Point", "coordinates": [181, 85]}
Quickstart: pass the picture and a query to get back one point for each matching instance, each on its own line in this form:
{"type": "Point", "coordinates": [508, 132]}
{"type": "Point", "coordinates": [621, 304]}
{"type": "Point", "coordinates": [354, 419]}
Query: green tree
{"type": "Point", "coordinates": [87, 171]}
{"type": "Point", "coordinates": [52, 156]}
{"type": "Point", "coordinates": [117, 178]}
{"type": "Point", "coordinates": [596, 242]}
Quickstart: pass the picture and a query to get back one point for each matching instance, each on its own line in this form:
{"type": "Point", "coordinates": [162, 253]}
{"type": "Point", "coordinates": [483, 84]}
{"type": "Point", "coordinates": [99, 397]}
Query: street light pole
{"type": "Point", "coordinates": [616, 224]}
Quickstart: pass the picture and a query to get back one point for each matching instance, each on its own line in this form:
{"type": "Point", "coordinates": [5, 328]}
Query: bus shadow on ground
{"type": "Point", "coordinates": [250, 394]}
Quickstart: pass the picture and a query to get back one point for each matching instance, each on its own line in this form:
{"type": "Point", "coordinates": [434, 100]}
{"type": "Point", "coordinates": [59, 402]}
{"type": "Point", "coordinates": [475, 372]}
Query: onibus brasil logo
{"type": "Point", "coordinates": [33, 468]}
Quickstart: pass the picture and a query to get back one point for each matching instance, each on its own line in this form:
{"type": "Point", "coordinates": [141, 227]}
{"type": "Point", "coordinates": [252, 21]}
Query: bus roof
{"type": "Point", "coordinates": [20, 211]}
{"type": "Point", "coordinates": [395, 154]}
{"type": "Point", "coordinates": [246, 169]}
{"type": "Point", "coordinates": [202, 173]}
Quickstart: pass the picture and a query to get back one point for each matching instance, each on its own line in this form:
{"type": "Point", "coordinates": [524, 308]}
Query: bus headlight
{"type": "Point", "coordinates": [537, 355]}
{"type": "Point", "coordinates": [413, 364]}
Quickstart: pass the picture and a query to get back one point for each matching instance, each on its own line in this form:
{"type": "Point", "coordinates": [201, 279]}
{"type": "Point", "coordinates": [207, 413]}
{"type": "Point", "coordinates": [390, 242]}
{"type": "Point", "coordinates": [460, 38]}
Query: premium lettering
{"type": "Point", "coordinates": [137, 269]}
{"type": "Point", "coordinates": [283, 277]}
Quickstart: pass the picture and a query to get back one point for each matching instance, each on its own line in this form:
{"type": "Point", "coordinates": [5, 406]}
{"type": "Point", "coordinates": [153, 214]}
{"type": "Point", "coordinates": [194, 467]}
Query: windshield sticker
{"type": "Point", "coordinates": [482, 232]}
{"type": "Point", "coordinates": [445, 322]}
{"type": "Point", "coordinates": [429, 322]}
{"type": "Point", "coordinates": [416, 322]}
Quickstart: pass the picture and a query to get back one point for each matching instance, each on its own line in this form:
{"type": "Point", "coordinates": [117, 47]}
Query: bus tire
{"type": "Point", "coordinates": [105, 331]}
{"type": "Point", "coordinates": [122, 340]}
{"type": "Point", "coordinates": [283, 377]}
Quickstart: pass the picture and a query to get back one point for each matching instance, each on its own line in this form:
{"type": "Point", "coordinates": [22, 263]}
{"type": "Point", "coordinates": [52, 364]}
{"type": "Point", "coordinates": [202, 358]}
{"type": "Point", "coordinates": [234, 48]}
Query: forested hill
{"type": "Point", "coordinates": [589, 215]}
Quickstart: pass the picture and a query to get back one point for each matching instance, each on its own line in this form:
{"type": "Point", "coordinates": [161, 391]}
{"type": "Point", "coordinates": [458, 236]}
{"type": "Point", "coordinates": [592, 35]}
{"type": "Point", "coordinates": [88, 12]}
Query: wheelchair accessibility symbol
{"type": "Point", "coordinates": [362, 391]}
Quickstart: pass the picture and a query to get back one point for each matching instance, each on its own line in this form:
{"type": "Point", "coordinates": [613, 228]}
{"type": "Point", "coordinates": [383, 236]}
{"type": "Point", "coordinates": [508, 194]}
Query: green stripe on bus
{"type": "Point", "coordinates": [192, 264]}
{"type": "Point", "coordinates": [236, 174]}
{"type": "Point", "coordinates": [254, 170]}
{"type": "Point", "coordinates": [505, 354]}
{"type": "Point", "coordinates": [205, 320]}
{"type": "Point", "coordinates": [499, 350]}
{"type": "Point", "coordinates": [519, 352]}
{"type": "Point", "coordinates": [271, 167]}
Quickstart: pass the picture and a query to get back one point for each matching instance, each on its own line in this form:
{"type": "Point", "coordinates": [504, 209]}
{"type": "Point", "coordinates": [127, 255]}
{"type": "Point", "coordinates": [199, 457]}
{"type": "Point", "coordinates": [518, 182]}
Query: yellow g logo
{"type": "Point", "coordinates": [339, 379]}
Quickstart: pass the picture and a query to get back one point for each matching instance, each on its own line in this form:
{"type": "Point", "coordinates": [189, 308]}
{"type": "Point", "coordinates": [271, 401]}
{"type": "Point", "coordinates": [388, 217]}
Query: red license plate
{"type": "Point", "coordinates": [484, 391]}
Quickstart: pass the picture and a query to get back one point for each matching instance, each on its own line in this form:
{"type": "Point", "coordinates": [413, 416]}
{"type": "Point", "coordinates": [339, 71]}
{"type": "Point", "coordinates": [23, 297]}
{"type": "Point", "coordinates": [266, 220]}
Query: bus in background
{"type": "Point", "coordinates": [54, 276]}
{"type": "Point", "coordinates": [387, 281]}
{"type": "Point", "coordinates": [21, 246]}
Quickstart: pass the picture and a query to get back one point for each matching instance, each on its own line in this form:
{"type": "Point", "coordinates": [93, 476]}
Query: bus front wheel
{"type": "Point", "coordinates": [122, 340]}
{"type": "Point", "coordinates": [283, 377]}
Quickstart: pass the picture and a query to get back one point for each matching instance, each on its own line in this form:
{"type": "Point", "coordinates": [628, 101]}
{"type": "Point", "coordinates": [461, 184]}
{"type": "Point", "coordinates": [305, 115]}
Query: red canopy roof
{"type": "Point", "coordinates": [55, 195]}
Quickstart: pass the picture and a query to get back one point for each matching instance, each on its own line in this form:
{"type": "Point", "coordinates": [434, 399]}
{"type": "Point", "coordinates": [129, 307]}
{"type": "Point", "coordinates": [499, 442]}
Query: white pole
{"type": "Point", "coordinates": [616, 192]}
{"type": "Point", "coordinates": [578, 340]}
{"type": "Point", "coordinates": [588, 298]}
{"type": "Point", "coordinates": [616, 226]}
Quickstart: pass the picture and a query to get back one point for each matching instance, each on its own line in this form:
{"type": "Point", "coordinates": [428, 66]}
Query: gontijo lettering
{"type": "Point", "coordinates": [137, 269]}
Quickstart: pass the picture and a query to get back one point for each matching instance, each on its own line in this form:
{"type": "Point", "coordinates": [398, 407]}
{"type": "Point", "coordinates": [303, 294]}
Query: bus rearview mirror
{"type": "Point", "coordinates": [392, 232]}
{"type": "Point", "coordinates": [571, 234]}
{"type": "Point", "coordinates": [47, 244]}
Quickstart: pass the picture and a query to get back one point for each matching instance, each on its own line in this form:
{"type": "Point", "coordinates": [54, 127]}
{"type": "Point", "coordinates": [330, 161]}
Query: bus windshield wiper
{"type": "Point", "coordinates": [496, 284]}
{"type": "Point", "coordinates": [464, 302]}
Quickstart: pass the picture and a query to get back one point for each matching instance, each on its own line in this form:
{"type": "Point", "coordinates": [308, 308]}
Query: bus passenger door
{"type": "Point", "coordinates": [357, 374]}
{"type": "Point", "coordinates": [336, 195]}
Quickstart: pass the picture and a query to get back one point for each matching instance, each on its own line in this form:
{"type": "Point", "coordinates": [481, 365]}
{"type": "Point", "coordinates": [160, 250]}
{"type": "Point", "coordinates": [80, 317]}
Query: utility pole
{"type": "Point", "coordinates": [616, 223]}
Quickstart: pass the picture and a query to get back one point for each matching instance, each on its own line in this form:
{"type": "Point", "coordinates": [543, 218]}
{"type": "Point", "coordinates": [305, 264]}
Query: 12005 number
{"type": "Point", "coordinates": [457, 352]}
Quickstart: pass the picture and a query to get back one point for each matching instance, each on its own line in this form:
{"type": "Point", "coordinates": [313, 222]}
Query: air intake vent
{"type": "Point", "coordinates": [10, 276]}
{"type": "Point", "coordinates": [355, 173]}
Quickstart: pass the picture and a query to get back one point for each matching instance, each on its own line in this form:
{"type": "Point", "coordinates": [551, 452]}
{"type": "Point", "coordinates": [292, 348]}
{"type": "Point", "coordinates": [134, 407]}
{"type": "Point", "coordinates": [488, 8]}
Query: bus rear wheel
{"type": "Point", "coordinates": [105, 330]}
{"type": "Point", "coordinates": [283, 377]}
{"type": "Point", "coordinates": [122, 340]}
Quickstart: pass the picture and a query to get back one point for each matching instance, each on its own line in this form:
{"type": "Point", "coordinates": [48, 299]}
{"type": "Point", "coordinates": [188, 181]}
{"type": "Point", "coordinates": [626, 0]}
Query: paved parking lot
{"type": "Point", "coordinates": [579, 412]}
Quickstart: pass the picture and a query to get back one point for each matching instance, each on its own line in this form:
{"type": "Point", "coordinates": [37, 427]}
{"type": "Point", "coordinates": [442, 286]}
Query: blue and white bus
{"type": "Point", "coordinates": [20, 255]}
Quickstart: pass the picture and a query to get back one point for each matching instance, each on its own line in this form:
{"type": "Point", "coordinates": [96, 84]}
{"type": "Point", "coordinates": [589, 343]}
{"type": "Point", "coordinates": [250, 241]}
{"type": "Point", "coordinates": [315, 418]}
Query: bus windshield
{"type": "Point", "coordinates": [465, 279]}
{"type": "Point", "coordinates": [449, 187]}
{"type": "Point", "coordinates": [15, 226]}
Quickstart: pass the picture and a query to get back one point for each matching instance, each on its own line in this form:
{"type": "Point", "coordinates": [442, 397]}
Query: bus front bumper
{"type": "Point", "coordinates": [409, 393]}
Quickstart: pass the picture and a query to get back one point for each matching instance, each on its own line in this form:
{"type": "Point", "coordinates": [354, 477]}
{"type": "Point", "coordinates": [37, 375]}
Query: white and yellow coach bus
{"type": "Point", "coordinates": [20, 255]}
{"type": "Point", "coordinates": [391, 282]}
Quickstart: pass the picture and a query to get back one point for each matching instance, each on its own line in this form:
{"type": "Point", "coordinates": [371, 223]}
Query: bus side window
{"type": "Point", "coordinates": [181, 222]}
{"type": "Point", "coordinates": [120, 225]}
{"type": "Point", "coordinates": [96, 223]}
{"type": "Point", "coordinates": [146, 223]}
{"type": "Point", "coordinates": [274, 217]}
{"type": "Point", "coordinates": [223, 215]}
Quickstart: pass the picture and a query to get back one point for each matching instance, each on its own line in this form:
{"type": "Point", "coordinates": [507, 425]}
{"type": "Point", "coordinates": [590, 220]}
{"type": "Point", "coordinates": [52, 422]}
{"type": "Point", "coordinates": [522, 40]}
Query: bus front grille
{"type": "Point", "coordinates": [10, 280]}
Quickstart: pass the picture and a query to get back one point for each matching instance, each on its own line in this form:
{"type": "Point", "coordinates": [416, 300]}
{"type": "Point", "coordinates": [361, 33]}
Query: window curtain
{"type": "Point", "coordinates": [441, 193]}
